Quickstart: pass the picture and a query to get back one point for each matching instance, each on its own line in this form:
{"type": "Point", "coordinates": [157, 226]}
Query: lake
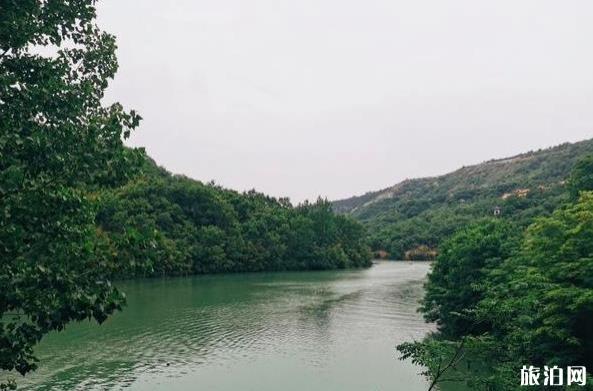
{"type": "Point", "coordinates": [326, 331]}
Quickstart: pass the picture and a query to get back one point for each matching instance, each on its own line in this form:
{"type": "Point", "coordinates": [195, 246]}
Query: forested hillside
{"type": "Point", "coordinates": [422, 212]}
{"type": "Point", "coordinates": [502, 296]}
{"type": "Point", "coordinates": [163, 224]}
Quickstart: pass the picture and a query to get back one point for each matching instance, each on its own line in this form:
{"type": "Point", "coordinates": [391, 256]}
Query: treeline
{"type": "Point", "coordinates": [169, 225]}
{"type": "Point", "coordinates": [503, 297]}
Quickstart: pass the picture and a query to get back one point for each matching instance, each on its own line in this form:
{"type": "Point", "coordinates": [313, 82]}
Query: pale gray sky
{"type": "Point", "coordinates": [338, 97]}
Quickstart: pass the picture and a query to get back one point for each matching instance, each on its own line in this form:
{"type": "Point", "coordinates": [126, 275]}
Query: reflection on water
{"type": "Point", "coordinates": [284, 331]}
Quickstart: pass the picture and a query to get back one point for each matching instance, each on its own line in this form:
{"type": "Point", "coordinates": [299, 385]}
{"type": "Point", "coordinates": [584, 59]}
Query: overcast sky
{"type": "Point", "coordinates": [302, 98]}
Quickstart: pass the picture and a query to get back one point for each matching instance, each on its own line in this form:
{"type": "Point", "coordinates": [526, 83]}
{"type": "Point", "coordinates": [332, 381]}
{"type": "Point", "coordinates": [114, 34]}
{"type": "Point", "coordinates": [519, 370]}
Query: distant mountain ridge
{"type": "Point", "coordinates": [423, 211]}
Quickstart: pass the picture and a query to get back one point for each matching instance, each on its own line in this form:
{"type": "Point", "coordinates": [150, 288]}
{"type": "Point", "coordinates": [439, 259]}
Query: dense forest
{"type": "Point", "coordinates": [419, 214]}
{"type": "Point", "coordinates": [78, 208]}
{"type": "Point", "coordinates": [504, 297]}
{"type": "Point", "coordinates": [169, 225]}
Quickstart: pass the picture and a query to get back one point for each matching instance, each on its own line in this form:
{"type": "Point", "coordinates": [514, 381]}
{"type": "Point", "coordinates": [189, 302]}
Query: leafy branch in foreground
{"type": "Point", "coordinates": [57, 143]}
{"type": "Point", "coordinates": [437, 358]}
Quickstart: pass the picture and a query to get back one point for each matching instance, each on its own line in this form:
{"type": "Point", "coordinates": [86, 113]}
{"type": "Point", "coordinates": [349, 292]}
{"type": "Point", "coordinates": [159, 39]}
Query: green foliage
{"type": "Point", "coordinates": [437, 357]}
{"type": "Point", "coordinates": [544, 296]}
{"type": "Point", "coordinates": [530, 304]}
{"type": "Point", "coordinates": [582, 177]}
{"type": "Point", "coordinates": [457, 281]}
{"type": "Point", "coordinates": [57, 144]}
{"type": "Point", "coordinates": [167, 225]}
{"type": "Point", "coordinates": [429, 210]}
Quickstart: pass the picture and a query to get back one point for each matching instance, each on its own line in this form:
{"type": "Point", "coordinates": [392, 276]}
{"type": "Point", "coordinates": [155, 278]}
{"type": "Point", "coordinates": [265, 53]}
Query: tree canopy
{"type": "Point", "coordinates": [512, 299]}
{"type": "Point", "coordinates": [167, 225]}
{"type": "Point", "coordinates": [457, 281]}
{"type": "Point", "coordinates": [582, 177]}
{"type": "Point", "coordinates": [57, 141]}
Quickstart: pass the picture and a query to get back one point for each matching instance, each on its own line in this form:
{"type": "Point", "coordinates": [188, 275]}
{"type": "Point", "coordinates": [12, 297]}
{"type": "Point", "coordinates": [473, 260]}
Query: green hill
{"type": "Point", "coordinates": [422, 212]}
{"type": "Point", "coordinates": [163, 224]}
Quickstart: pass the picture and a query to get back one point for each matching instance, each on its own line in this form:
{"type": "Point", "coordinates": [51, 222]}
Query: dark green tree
{"type": "Point", "coordinates": [457, 281]}
{"type": "Point", "coordinates": [533, 305]}
{"type": "Point", "coordinates": [581, 178]}
{"type": "Point", "coordinates": [542, 306]}
{"type": "Point", "coordinates": [171, 225]}
{"type": "Point", "coordinates": [58, 144]}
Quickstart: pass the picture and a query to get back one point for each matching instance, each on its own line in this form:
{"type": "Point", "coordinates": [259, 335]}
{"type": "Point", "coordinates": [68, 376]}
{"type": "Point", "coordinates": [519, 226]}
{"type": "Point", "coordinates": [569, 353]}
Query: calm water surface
{"type": "Point", "coordinates": [284, 331]}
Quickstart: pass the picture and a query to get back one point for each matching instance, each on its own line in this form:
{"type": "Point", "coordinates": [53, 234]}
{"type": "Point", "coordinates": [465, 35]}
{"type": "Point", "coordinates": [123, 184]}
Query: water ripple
{"type": "Point", "coordinates": [173, 328]}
